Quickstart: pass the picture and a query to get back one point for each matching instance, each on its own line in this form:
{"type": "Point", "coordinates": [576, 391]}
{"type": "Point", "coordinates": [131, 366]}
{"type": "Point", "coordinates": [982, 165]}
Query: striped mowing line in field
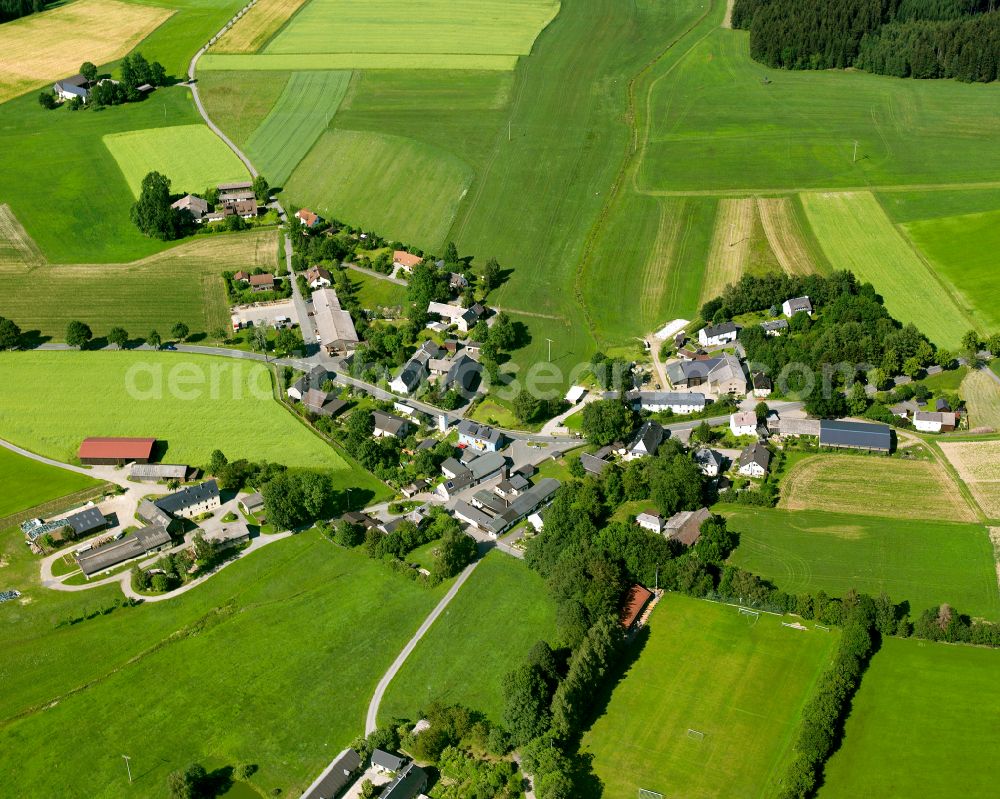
{"type": "Point", "coordinates": [856, 235]}
{"type": "Point", "coordinates": [326, 61]}
{"type": "Point", "coordinates": [785, 235]}
{"type": "Point", "coordinates": [727, 258]}
{"type": "Point", "coordinates": [303, 111]}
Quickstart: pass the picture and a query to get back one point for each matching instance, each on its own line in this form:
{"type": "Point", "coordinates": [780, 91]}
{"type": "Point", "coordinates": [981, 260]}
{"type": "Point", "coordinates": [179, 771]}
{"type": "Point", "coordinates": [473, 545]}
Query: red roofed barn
{"type": "Point", "coordinates": [116, 451]}
{"type": "Point", "coordinates": [635, 603]}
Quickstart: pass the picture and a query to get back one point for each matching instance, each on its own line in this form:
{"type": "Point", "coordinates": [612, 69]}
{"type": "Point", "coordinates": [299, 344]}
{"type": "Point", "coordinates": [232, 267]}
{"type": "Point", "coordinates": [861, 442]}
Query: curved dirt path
{"type": "Point", "coordinates": [371, 720]}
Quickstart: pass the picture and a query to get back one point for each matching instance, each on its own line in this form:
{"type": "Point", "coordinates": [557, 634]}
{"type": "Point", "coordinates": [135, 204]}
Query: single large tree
{"type": "Point", "coordinates": [78, 334]}
{"type": "Point", "coordinates": [10, 334]}
{"type": "Point", "coordinates": [118, 336]}
{"type": "Point", "coordinates": [89, 71]}
{"type": "Point", "coordinates": [261, 189]}
{"type": "Point", "coordinates": [152, 213]}
{"type": "Point", "coordinates": [491, 275]}
{"type": "Point", "coordinates": [153, 339]}
{"type": "Point", "coordinates": [180, 331]}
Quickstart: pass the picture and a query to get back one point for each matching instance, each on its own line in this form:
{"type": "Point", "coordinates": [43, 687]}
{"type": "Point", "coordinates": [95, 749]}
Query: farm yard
{"type": "Point", "coordinates": [501, 612]}
{"type": "Point", "coordinates": [45, 47]}
{"type": "Point", "coordinates": [119, 674]}
{"type": "Point", "coordinates": [900, 489]}
{"type": "Point", "coordinates": [298, 118]}
{"type": "Point", "coordinates": [183, 284]}
{"type": "Point", "coordinates": [923, 562]}
{"type": "Point", "coordinates": [920, 705]}
{"type": "Point", "coordinates": [856, 234]}
{"type": "Point", "coordinates": [705, 667]}
{"type": "Point", "coordinates": [195, 403]}
{"type": "Point", "coordinates": [28, 483]}
{"type": "Point", "coordinates": [191, 156]}
{"type": "Point", "coordinates": [978, 464]}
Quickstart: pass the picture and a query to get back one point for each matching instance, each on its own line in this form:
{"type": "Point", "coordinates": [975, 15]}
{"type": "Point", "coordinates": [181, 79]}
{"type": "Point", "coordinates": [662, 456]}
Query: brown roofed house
{"type": "Point", "coordinates": [263, 282]}
{"type": "Point", "coordinates": [405, 260]}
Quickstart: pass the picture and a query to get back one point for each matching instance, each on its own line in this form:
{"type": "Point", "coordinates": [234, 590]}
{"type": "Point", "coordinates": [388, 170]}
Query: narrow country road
{"type": "Point", "coordinates": [371, 721]}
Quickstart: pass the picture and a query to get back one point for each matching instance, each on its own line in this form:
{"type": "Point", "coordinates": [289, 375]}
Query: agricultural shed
{"type": "Point", "coordinates": [115, 451]}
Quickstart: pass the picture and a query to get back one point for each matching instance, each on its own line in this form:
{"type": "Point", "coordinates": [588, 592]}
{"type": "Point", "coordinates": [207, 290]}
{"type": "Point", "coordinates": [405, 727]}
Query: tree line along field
{"type": "Point", "coordinates": [703, 666]}
{"type": "Point", "coordinates": [920, 705]}
{"type": "Point", "coordinates": [28, 483]}
{"type": "Point", "coordinates": [486, 632]}
{"type": "Point", "coordinates": [923, 562]}
{"type": "Point", "coordinates": [195, 403]}
{"type": "Point", "coordinates": [183, 284]}
{"type": "Point", "coordinates": [41, 48]}
{"type": "Point", "coordinates": [193, 679]}
{"type": "Point", "coordinates": [891, 487]}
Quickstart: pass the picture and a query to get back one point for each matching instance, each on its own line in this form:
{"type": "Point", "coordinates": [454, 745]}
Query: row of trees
{"type": "Point", "coordinates": [907, 38]}
{"type": "Point", "coordinates": [14, 9]}
{"type": "Point", "coordinates": [79, 334]}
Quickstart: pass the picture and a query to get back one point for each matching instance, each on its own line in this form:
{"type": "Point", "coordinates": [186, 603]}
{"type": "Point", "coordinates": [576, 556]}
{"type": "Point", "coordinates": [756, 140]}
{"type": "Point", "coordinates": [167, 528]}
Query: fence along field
{"type": "Point", "coordinates": [707, 668]}
{"type": "Point", "coordinates": [302, 112]}
{"type": "Point", "coordinates": [924, 562]}
{"type": "Point", "coordinates": [878, 487]}
{"type": "Point", "coordinates": [183, 284]}
{"type": "Point", "coordinates": [856, 235]}
{"type": "Point", "coordinates": [42, 48]}
{"type": "Point", "coordinates": [920, 705]}
{"type": "Point", "coordinates": [192, 157]}
{"type": "Point", "coordinates": [254, 28]}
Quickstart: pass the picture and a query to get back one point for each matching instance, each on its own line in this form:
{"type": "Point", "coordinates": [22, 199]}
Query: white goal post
{"type": "Point", "coordinates": [750, 614]}
{"type": "Point", "coordinates": [698, 735]}
{"type": "Point", "coordinates": [645, 793]}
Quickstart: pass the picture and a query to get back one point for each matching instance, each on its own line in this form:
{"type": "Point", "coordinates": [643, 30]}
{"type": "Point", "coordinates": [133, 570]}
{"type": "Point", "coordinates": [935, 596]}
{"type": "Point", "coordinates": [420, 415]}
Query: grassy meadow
{"type": "Point", "coordinates": [374, 293]}
{"type": "Point", "coordinates": [42, 48]}
{"type": "Point", "coordinates": [183, 284]}
{"type": "Point", "coordinates": [237, 111]}
{"type": "Point", "coordinates": [920, 705]}
{"type": "Point", "coordinates": [129, 676]}
{"type": "Point", "coordinates": [500, 613]}
{"type": "Point", "coordinates": [924, 562]}
{"type": "Point", "coordinates": [707, 668]}
{"type": "Point", "coordinates": [298, 118]}
{"type": "Point", "coordinates": [856, 234]}
{"type": "Point", "coordinates": [191, 156]}
{"type": "Point", "coordinates": [382, 182]}
{"type": "Point", "coordinates": [28, 483]}
{"type": "Point", "coordinates": [899, 489]}
{"type": "Point", "coordinates": [962, 249]}
{"type": "Point", "coordinates": [195, 403]}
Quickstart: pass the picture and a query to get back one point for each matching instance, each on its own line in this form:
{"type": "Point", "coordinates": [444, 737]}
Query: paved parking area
{"type": "Point", "coordinates": [266, 313]}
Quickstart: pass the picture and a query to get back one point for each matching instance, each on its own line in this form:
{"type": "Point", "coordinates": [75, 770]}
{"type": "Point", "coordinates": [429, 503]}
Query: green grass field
{"type": "Point", "coordinates": [237, 111]}
{"type": "Point", "coordinates": [302, 112]}
{"type": "Point", "coordinates": [920, 705]}
{"type": "Point", "coordinates": [963, 250]}
{"type": "Point", "coordinates": [195, 403]}
{"type": "Point", "coordinates": [707, 668]}
{"type": "Point", "coordinates": [914, 206]}
{"type": "Point", "coordinates": [924, 562]}
{"type": "Point", "coordinates": [396, 28]}
{"type": "Point", "coordinates": [190, 155]}
{"type": "Point", "coordinates": [499, 614]}
{"type": "Point", "coordinates": [391, 184]}
{"type": "Point", "coordinates": [855, 234]}
{"type": "Point", "coordinates": [376, 293]}
{"type": "Point", "coordinates": [194, 679]}
{"type": "Point", "coordinates": [28, 483]}
{"type": "Point", "coordinates": [300, 62]}
{"type": "Point", "coordinates": [183, 284]}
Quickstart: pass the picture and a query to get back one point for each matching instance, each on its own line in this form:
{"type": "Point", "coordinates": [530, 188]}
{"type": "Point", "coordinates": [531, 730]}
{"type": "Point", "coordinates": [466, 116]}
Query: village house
{"type": "Point", "coordinates": [761, 385]}
{"type": "Point", "coordinates": [85, 522]}
{"type": "Point", "coordinates": [755, 460]}
{"type": "Point", "coordinates": [409, 783]}
{"type": "Point", "coordinates": [594, 464]}
{"type": "Point", "coordinates": [685, 526]}
{"type": "Point", "coordinates": [457, 282]}
{"type": "Point", "coordinates": [512, 487]}
{"type": "Point", "coordinates": [230, 535]}
{"type": "Point", "coordinates": [459, 476]}
{"type": "Point", "coordinates": [193, 204]}
{"type": "Point", "coordinates": [252, 503]}
{"type": "Point", "coordinates": [775, 327]}
{"type": "Point", "coordinates": [191, 501]}
{"type": "Point", "coordinates": [797, 305]}
{"type": "Point", "coordinates": [264, 282]}
{"type": "Point", "coordinates": [479, 436]}
{"type": "Point", "coordinates": [934, 421]}
{"type": "Point", "coordinates": [723, 374]}
{"type": "Point", "coordinates": [709, 461]}
{"type": "Point", "coordinates": [413, 372]}
{"type": "Point", "coordinates": [334, 326]}
{"type": "Point", "coordinates": [743, 424]}
{"type": "Point", "coordinates": [307, 218]}
{"type": "Point", "coordinates": [463, 318]}
{"type": "Point", "coordinates": [715, 335]}
{"type": "Point", "coordinates": [659, 401]}
{"type": "Point", "coordinates": [314, 378]}
{"type": "Point", "coordinates": [495, 515]}
{"type": "Point", "coordinates": [646, 442]}
{"type": "Point", "coordinates": [401, 259]}
{"type": "Point", "coordinates": [152, 515]}
{"type": "Point", "coordinates": [388, 425]}
{"type": "Point", "coordinates": [322, 403]}
{"type": "Point", "coordinates": [649, 520]}
{"type": "Point", "coordinates": [75, 86]}
{"type": "Point", "coordinates": [317, 277]}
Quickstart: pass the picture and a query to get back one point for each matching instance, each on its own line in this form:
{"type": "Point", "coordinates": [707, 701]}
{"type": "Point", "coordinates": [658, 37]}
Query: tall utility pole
{"type": "Point", "coordinates": [550, 349]}
{"type": "Point", "coordinates": [128, 767]}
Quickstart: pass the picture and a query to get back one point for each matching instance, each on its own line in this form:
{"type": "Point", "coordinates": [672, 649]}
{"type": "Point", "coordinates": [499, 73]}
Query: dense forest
{"type": "Point", "coordinates": [905, 38]}
{"type": "Point", "coordinates": [12, 9]}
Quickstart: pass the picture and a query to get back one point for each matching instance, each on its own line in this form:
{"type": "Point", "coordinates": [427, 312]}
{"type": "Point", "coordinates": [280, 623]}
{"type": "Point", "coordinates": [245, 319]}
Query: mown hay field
{"type": "Point", "coordinates": [251, 31]}
{"type": "Point", "coordinates": [45, 47]}
{"type": "Point", "coordinates": [923, 562]}
{"type": "Point", "coordinates": [192, 157]}
{"type": "Point", "coordinates": [396, 28]}
{"type": "Point", "coordinates": [302, 112]}
{"type": "Point", "coordinates": [982, 399]}
{"type": "Point", "coordinates": [920, 705]}
{"type": "Point", "coordinates": [730, 250]}
{"type": "Point", "coordinates": [707, 668]}
{"type": "Point", "coordinates": [899, 489]}
{"type": "Point", "coordinates": [391, 184]}
{"type": "Point", "coordinates": [183, 284]}
{"type": "Point", "coordinates": [978, 464]}
{"type": "Point", "coordinates": [789, 235]}
{"type": "Point", "coordinates": [856, 235]}
{"type": "Point", "coordinates": [963, 250]}
{"type": "Point", "coordinates": [466, 654]}
{"type": "Point", "coordinates": [195, 403]}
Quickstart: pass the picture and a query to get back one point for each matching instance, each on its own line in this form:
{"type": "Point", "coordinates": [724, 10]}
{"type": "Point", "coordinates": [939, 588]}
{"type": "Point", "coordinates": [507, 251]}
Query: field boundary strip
{"type": "Point", "coordinates": [304, 62]}
{"type": "Point", "coordinates": [13, 234]}
{"type": "Point", "coordinates": [729, 252]}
